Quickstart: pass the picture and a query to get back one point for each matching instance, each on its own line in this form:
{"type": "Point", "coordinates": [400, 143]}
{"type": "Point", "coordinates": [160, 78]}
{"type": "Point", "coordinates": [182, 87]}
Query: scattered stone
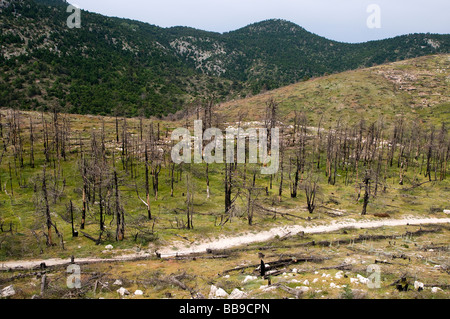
{"type": "Point", "coordinates": [435, 289]}
{"type": "Point", "coordinates": [306, 282]}
{"type": "Point", "coordinates": [362, 279]}
{"type": "Point", "coordinates": [303, 289]}
{"type": "Point", "coordinates": [237, 294]}
{"type": "Point", "coordinates": [7, 292]}
{"type": "Point", "coordinates": [118, 282]}
{"type": "Point", "coordinates": [138, 293]}
{"type": "Point", "coordinates": [220, 293]}
{"type": "Point", "coordinates": [418, 285]}
{"type": "Point", "coordinates": [212, 292]}
{"type": "Point", "coordinates": [267, 288]}
{"type": "Point", "coordinates": [339, 274]}
{"type": "Point", "coordinates": [249, 278]}
{"type": "Point", "coordinates": [109, 247]}
{"type": "Point", "coordinates": [122, 291]}
{"type": "Point", "coordinates": [359, 294]}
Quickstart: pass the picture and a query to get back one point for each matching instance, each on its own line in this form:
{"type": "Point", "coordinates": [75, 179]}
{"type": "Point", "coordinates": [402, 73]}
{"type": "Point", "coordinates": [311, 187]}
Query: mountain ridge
{"type": "Point", "coordinates": [122, 65]}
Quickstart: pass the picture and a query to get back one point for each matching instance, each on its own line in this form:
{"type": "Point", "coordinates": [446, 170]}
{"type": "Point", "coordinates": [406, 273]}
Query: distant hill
{"type": "Point", "coordinates": [114, 65]}
{"type": "Point", "coordinates": [417, 89]}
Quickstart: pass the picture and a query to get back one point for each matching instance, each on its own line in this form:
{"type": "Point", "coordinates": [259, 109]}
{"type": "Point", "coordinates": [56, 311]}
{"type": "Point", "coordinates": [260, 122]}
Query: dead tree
{"type": "Point", "coordinates": [311, 186]}
{"type": "Point", "coordinates": [366, 192]}
{"type": "Point", "coordinates": [120, 216]}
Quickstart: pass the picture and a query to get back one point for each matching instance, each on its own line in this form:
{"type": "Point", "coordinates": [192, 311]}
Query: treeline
{"type": "Point", "coordinates": [112, 63]}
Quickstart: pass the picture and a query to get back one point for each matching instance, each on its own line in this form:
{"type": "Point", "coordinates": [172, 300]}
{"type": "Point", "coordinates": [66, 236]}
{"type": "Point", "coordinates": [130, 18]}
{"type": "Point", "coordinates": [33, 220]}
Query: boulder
{"type": "Point", "coordinates": [418, 285]}
{"type": "Point", "coordinates": [220, 293]}
{"type": "Point", "coordinates": [237, 294]}
{"type": "Point", "coordinates": [122, 291]}
{"type": "Point", "coordinates": [7, 292]}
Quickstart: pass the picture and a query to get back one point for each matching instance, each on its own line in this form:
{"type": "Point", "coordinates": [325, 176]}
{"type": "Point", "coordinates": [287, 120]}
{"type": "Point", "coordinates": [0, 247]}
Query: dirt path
{"type": "Point", "coordinates": [179, 248]}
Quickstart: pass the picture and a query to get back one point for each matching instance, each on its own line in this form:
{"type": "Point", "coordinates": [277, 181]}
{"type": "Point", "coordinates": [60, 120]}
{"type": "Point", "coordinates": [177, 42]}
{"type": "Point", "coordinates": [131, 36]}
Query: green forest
{"type": "Point", "coordinates": [113, 66]}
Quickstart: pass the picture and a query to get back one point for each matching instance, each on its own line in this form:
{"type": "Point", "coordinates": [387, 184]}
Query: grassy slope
{"type": "Point", "coordinates": [415, 88]}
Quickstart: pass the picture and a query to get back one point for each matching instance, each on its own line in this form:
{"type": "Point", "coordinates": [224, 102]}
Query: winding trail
{"type": "Point", "coordinates": [179, 248]}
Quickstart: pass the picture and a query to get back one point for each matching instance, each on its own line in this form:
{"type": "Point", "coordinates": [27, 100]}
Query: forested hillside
{"type": "Point", "coordinates": [120, 66]}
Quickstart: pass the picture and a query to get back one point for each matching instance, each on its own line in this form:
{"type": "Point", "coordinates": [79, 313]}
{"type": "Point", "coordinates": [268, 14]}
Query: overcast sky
{"type": "Point", "coordinates": [341, 20]}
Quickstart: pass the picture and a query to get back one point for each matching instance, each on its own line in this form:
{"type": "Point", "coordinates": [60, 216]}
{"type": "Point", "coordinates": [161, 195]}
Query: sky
{"type": "Point", "coordinates": [340, 20]}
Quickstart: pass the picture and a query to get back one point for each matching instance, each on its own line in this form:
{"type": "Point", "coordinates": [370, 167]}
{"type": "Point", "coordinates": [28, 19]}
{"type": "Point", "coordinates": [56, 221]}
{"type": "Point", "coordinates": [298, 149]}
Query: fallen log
{"type": "Point", "coordinates": [196, 257]}
{"type": "Point", "coordinates": [277, 263]}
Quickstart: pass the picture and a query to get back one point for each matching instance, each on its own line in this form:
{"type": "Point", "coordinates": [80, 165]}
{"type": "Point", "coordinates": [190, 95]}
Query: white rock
{"type": "Point", "coordinates": [138, 293]}
{"type": "Point", "coordinates": [339, 274]}
{"type": "Point", "coordinates": [294, 270]}
{"type": "Point", "coordinates": [315, 280]}
{"type": "Point", "coordinates": [446, 211]}
{"type": "Point", "coordinates": [220, 293]}
{"type": "Point", "coordinates": [226, 276]}
{"type": "Point", "coordinates": [118, 282]}
{"type": "Point", "coordinates": [316, 273]}
{"type": "Point", "coordinates": [332, 285]}
{"type": "Point", "coordinates": [212, 292]}
{"type": "Point", "coordinates": [354, 280]}
{"type": "Point", "coordinates": [435, 289]}
{"type": "Point", "coordinates": [295, 281]}
{"type": "Point", "coordinates": [362, 279]}
{"type": "Point", "coordinates": [418, 284]}
{"type": "Point", "coordinates": [7, 292]}
{"type": "Point", "coordinates": [267, 288]}
{"type": "Point", "coordinates": [250, 278]}
{"type": "Point", "coordinates": [306, 282]}
{"type": "Point", "coordinates": [109, 247]}
{"type": "Point", "coordinates": [237, 294]}
{"type": "Point", "coordinates": [302, 288]}
{"type": "Point", "coordinates": [122, 291]}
